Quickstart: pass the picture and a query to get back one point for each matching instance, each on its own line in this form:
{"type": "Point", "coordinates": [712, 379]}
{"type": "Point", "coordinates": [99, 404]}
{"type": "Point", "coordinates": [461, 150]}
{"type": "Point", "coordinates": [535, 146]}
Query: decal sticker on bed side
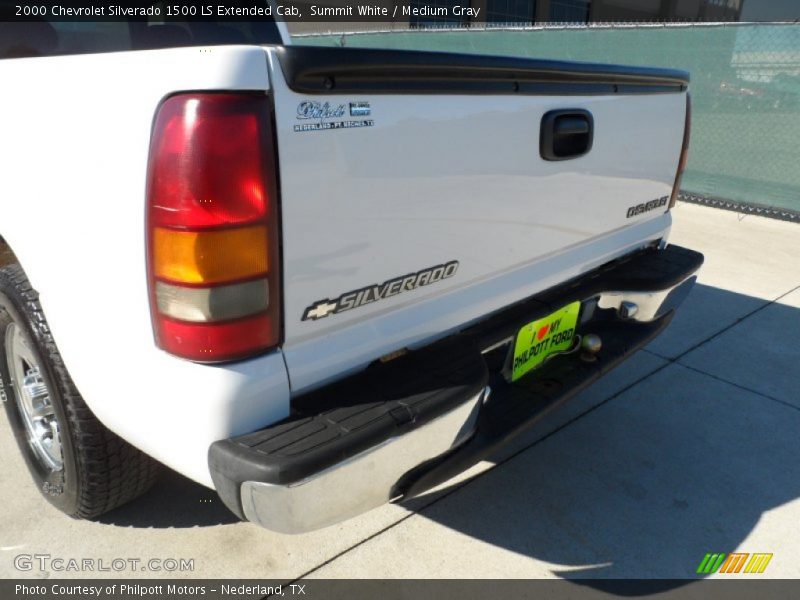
{"type": "Point", "coordinates": [320, 116]}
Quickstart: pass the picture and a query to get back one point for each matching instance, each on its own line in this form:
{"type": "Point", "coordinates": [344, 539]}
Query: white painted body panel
{"type": "Point", "coordinates": [76, 132]}
{"type": "Point", "coordinates": [435, 179]}
{"type": "Point", "coordinates": [443, 178]}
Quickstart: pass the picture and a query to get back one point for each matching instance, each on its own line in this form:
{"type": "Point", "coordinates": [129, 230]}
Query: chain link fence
{"type": "Point", "coordinates": [745, 151]}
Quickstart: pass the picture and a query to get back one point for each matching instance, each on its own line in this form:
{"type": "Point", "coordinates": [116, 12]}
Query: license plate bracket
{"type": "Point", "coordinates": [543, 338]}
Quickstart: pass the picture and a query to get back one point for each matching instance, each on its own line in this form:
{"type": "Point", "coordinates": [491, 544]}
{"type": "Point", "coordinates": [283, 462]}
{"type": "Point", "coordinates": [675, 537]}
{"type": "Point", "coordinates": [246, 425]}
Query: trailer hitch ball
{"type": "Point", "coordinates": [590, 346]}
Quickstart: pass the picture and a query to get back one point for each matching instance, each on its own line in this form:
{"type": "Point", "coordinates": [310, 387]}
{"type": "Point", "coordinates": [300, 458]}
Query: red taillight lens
{"type": "Point", "coordinates": [214, 342]}
{"type": "Point", "coordinates": [687, 130]}
{"type": "Point", "coordinates": [212, 230]}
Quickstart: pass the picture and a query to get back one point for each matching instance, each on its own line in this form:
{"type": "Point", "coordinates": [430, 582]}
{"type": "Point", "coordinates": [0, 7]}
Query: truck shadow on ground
{"type": "Point", "coordinates": [174, 501]}
{"type": "Point", "coordinates": [647, 483]}
{"type": "Point", "coordinates": [641, 487]}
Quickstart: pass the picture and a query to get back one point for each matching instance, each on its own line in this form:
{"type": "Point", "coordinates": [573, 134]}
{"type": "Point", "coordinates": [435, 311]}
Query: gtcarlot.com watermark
{"type": "Point", "coordinates": [60, 564]}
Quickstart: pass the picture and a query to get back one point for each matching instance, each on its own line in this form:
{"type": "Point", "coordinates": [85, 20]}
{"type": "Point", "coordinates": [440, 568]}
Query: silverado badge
{"type": "Point", "coordinates": [373, 293]}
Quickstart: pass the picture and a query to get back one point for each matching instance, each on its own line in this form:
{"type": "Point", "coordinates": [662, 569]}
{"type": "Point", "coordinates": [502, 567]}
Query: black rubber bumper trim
{"type": "Point", "coordinates": [335, 423]}
{"type": "Point", "coordinates": [323, 70]}
{"type": "Point", "coordinates": [341, 420]}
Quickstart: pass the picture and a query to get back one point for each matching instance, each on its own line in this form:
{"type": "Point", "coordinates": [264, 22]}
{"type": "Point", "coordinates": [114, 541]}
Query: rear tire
{"type": "Point", "coordinates": [79, 465]}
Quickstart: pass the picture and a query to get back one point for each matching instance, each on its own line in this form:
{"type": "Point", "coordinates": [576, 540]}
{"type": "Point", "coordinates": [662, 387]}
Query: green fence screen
{"type": "Point", "coordinates": [745, 92]}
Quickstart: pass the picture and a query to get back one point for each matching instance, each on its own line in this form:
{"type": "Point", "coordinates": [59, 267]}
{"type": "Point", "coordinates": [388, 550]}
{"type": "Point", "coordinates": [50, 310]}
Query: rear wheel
{"type": "Point", "coordinates": [79, 466]}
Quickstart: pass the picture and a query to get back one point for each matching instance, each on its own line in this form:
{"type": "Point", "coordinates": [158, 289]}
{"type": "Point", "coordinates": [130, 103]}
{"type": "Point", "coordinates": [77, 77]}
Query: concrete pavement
{"type": "Point", "coordinates": [690, 447]}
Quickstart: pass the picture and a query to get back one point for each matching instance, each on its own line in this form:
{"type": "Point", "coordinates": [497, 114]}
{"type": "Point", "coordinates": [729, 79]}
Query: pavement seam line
{"type": "Point", "coordinates": [739, 386]}
{"type": "Point", "coordinates": [477, 476]}
{"type": "Point", "coordinates": [677, 359]}
{"type": "Point", "coordinates": [738, 320]}
{"type": "Point", "coordinates": [730, 326]}
{"type": "Point", "coordinates": [670, 362]}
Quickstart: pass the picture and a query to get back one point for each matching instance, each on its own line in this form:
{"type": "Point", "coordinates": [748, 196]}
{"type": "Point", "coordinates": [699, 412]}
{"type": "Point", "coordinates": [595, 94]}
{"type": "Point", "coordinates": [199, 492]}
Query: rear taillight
{"type": "Point", "coordinates": [687, 129]}
{"type": "Point", "coordinates": [212, 231]}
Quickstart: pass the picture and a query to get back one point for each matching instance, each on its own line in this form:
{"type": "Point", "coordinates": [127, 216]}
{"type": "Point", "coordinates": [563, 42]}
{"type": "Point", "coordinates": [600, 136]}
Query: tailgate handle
{"type": "Point", "coordinates": [566, 134]}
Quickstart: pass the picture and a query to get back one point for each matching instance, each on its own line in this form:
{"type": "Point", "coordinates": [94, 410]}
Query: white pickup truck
{"type": "Point", "coordinates": [315, 279]}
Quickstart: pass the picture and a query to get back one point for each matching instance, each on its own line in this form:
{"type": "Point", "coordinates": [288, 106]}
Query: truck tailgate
{"type": "Point", "coordinates": [412, 177]}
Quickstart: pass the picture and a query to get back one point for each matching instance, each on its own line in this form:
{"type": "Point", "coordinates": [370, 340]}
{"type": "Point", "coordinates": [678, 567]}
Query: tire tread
{"type": "Point", "coordinates": [110, 471]}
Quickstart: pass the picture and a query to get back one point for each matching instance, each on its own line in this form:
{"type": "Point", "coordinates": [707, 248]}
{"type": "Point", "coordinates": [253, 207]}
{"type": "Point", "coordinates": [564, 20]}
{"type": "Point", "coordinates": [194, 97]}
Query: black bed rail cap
{"type": "Point", "coordinates": [316, 70]}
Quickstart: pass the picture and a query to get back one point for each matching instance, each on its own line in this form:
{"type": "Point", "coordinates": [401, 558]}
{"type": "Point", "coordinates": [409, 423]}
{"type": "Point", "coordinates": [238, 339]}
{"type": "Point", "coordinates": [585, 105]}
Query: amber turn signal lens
{"type": "Point", "coordinates": [210, 257]}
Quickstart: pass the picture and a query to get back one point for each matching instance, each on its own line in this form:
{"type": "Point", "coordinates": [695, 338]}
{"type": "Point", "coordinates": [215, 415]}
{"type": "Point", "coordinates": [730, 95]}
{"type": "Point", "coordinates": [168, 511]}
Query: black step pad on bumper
{"type": "Point", "coordinates": [340, 436]}
{"type": "Point", "coordinates": [346, 418]}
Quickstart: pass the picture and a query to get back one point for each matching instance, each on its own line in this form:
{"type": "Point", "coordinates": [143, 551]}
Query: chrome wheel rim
{"type": "Point", "coordinates": [33, 400]}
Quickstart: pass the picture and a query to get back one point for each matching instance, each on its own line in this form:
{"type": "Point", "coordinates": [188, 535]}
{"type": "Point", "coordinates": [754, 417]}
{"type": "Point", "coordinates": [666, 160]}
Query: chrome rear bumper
{"type": "Point", "coordinates": [646, 306]}
{"type": "Point", "coordinates": [403, 427]}
{"type": "Point", "coordinates": [360, 483]}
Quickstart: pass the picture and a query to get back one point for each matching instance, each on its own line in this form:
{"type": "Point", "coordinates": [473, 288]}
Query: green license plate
{"type": "Point", "coordinates": [544, 337]}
